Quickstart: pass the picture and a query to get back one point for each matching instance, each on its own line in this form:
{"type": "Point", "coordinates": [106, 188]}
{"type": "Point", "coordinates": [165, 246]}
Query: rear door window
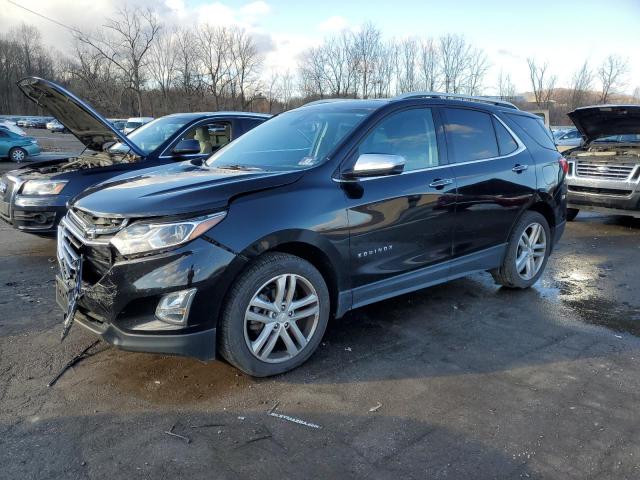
{"type": "Point", "coordinates": [535, 129]}
{"type": "Point", "coordinates": [470, 135]}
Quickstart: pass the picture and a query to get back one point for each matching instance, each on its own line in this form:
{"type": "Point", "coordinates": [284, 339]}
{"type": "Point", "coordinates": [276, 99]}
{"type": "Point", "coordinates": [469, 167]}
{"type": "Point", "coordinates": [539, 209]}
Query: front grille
{"type": "Point", "coordinates": [605, 171]}
{"type": "Point", "coordinates": [600, 191]}
{"type": "Point", "coordinates": [69, 251]}
{"type": "Point", "coordinates": [81, 234]}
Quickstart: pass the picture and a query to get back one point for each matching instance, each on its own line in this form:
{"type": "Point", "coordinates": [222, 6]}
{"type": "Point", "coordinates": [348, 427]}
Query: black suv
{"type": "Point", "coordinates": [318, 211]}
{"type": "Point", "coordinates": [34, 197]}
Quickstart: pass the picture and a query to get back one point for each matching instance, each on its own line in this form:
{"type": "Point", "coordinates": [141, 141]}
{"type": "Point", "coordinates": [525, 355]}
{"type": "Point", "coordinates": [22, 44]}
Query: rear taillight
{"type": "Point", "coordinates": [564, 165]}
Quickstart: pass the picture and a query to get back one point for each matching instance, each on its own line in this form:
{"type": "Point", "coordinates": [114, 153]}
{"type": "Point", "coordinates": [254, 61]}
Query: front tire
{"type": "Point", "coordinates": [527, 252]}
{"type": "Point", "coordinates": [17, 154]}
{"type": "Point", "coordinates": [572, 213]}
{"type": "Point", "coordinates": [275, 315]}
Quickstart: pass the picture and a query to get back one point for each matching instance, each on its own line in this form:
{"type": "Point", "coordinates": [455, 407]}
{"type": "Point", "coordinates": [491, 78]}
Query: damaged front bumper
{"type": "Point", "coordinates": [119, 298]}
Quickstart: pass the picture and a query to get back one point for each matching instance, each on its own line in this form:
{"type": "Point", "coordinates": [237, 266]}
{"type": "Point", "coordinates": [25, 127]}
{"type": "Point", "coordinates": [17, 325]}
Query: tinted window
{"type": "Point", "coordinates": [410, 133]}
{"type": "Point", "coordinates": [249, 123]}
{"type": "Point", "coordinates": [470, 134]}
{"type": "Point", "coordinates": [536, 130]}
{"type": "Point", "coordinates": [506, 143]}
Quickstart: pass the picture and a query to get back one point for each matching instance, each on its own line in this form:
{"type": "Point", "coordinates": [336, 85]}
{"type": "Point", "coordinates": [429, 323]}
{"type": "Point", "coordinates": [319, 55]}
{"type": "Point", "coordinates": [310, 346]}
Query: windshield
{"type": "Point", "coordinates": [628, 138]}
{"type": "Point", "coordinates": [153, 134]}
{"type": "Point", "coordinates": [294, 140]}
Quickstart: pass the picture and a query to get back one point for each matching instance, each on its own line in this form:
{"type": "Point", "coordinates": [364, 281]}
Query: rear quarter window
{"type": "Point", "coordinates": [535, 129]}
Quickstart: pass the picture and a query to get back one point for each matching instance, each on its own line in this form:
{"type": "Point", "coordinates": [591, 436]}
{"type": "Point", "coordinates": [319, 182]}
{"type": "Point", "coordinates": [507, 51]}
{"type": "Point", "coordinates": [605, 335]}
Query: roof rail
{"type": "Point", "coordinates": [326, 100]}
{"type": "Point", "coordinates": [456, 96]}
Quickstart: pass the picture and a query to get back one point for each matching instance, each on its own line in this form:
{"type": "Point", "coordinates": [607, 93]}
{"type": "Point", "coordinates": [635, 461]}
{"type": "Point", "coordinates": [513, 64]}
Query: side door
{"type": "Point", "coordinates": [4, 143]}
{"type": "Point", "coordinates": [495, 175]}
{"type": "Point", "coordinates": [402, 223]}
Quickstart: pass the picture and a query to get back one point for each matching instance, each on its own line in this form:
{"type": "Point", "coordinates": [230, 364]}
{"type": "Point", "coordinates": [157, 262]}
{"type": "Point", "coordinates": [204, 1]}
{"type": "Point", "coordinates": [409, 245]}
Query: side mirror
{"type": "Point", "coordinates": [187, 147]}
{"type": "Point", "coordinates": [376, 165]}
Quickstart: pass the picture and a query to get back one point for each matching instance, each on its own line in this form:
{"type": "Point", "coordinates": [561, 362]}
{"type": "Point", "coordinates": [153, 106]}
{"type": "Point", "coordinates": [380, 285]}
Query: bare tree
{"type": "Point", "coordinates": [477, 67]}
{"type": "Point", "coordinates": [581, 85]}
{"type": "Point", "coordinates": [286, 89]}
{"type": "Point", "coordinates": [214, 47]}
{"type": "Point", "coordinates": [163, 58]}
{"type": "Point", "coordinates": [125, 40]}
{"type": "Point", "coordinates": [636, 94]}
{"type": "Point", "coordinates": [542, 82]}
{"type": "Point", "coordinates": [273, 85]}
{"type": "Point", "coordinates": [406, 56]}
{"type": "Point", "coordinates": [366, 50]}
{"type": "Point", "coordinates": [246, 62]}
{"type": "Point", "coordinates": [455, 54]}
{"type": "Point", "coordinates": [506, 88]}
{"type": "Point", "coordinates": [429, 65]}
{"type": "Point", "coordinates": [611, 75]}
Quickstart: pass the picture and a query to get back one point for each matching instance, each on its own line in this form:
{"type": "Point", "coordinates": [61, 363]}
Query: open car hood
{"type": "Point", "coordinates": [604, 120]}
{"type": "Point", "coordinates": [91, 128]}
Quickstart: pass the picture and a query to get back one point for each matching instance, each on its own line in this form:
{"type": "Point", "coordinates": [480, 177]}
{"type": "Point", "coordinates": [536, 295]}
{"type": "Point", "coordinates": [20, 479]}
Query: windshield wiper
{"type": "Point", "coordinates": [236, 167]}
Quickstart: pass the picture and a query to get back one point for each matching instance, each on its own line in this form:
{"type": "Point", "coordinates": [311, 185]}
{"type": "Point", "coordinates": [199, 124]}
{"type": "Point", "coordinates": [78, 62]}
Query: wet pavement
{"type": "Point", "coordinates": [463, 380]}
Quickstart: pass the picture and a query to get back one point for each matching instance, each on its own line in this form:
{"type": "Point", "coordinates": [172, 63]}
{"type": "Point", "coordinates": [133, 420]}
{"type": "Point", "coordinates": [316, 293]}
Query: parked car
{"type": "Point", "coordinates": [55, 126]}
{"type": "Point", "coordinates": [569, 139]}
{"type": "Point", "coordinates": [35, 196]}
{"type": "Point", "coordinates": [135, 123]}
{"type": "Point", "coordinates": [26, 123]}
{"type": "Point", "coordinates": [41, 122]}
{"type": "Point", "coordinates": [318, 211]}
{"type": "Point", "coordinates": [118, 123]}
{"type": "Point", "coordinates": [16, 147]}
{"type": "Point", "coordinates": [604, 173]}
{"type": "Point", "coordinates": [8, 125]}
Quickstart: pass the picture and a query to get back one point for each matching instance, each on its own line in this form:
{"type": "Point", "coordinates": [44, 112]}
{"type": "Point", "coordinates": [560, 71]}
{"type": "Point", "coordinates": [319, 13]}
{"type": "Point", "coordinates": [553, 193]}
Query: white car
{"type": "Point", "coordinates": [12, 127]}
{"type": "Point", "coordinates": [572, 138]}
{"type": "Point", "coordinates": [134, 123]}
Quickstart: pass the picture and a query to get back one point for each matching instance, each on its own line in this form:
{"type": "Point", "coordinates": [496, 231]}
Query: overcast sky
{"type": "Point", "coordinates": [564, 32]}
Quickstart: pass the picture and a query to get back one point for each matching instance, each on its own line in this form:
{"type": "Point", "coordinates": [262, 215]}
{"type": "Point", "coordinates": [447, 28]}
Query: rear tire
{"type": "Point", "coordinates": [572, 213]}
{"type": "Point", "coordinates": [275, 315]}
{"type": "Point", "coordinates": [17, 154]}
{"type": "Point", "coordinates": [527, 252]}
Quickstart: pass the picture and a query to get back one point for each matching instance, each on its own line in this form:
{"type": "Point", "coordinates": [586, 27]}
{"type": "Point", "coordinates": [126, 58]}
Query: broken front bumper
{"type": "Point", "coordinates": [118, 302]}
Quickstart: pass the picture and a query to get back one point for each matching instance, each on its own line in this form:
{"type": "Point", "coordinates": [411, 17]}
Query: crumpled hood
{"type": "Point", "coordinates": [88, 126]}
{"type": "Point", "coordinates": [182, 188]}
{"type": "Point", "coordinates": [603, 120]}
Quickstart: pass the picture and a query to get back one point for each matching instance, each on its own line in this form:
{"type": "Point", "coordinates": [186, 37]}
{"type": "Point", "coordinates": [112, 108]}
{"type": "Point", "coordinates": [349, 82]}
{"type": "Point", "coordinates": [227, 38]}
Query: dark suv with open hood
{"type": "Point", "coordinates": [33, 198]}
{"type": "Point", "coordinates": [318, 211]}
{"type": "Point", "coordinates": [604, 173]}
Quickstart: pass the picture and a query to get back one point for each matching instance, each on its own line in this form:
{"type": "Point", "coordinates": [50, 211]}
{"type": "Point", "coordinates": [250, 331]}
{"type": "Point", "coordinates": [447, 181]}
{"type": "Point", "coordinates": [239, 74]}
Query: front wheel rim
{"type": "Point", "coordinates": [531, 252]}
{"type": "Point", "coordinates": [281, 318]}
{"type": "Point", "coordinates": [18, 155]}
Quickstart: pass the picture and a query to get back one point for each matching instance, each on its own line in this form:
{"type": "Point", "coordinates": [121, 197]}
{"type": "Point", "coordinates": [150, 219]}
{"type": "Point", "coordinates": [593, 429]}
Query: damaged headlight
{"type": "Point", "coordinates": [144, 236]}
{"type": "Point", "coordinates": [43, 187]}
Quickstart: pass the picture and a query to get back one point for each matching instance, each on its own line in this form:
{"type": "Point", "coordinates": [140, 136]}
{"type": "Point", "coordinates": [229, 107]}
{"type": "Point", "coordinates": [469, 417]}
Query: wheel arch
{"type": "Point", "coordinates": [315, 249]}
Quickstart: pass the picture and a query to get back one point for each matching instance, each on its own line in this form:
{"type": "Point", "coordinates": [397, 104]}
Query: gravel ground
{"type": "Point", "coordinates": [463, 380]}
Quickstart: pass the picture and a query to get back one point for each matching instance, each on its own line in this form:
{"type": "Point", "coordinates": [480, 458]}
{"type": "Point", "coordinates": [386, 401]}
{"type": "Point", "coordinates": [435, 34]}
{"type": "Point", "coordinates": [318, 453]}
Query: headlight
{"type": "Point", "coordinates": [147, 236]}
{"type": "Point", "coordinates": [43, 187]}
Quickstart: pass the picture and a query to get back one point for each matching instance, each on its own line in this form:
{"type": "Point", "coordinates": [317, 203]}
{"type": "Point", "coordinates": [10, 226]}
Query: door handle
{"type": "Point", "coordinates": [519, 168]}
{"type": "Point", "coordinates": [439, 183]}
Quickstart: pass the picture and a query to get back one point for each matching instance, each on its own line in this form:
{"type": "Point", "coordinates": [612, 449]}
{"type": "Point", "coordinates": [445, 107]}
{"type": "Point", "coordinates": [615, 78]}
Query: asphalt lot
{"type": "Point", "coordinates": [463, 380]}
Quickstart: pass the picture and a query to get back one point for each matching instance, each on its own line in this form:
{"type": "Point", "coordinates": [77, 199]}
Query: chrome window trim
{"type": "Point", "coordinates": [521, 148]}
